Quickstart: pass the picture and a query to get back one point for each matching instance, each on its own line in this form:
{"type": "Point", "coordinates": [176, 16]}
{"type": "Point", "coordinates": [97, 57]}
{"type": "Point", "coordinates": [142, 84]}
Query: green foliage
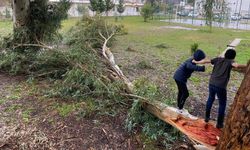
{"type": "Point", "coordinates": [42, 27]}
{"type": "Point", "coordinates": [44, 22]}
{"type": "Point", "coordinates": [120, 7]}
{"type": "Point", "coordinates": [146, 89]}
{"type": "Point", "coordinates": [65, 109]}
{"type": "Point", "coordinates": [209, 12]}
{"type": "Point", "coordinates": [147, 11]}
{"type": "Point", "coordinates": [108, 5]}
{"type": "Point", "coordinates": [143, 87]}
{"type": "Point", "coordinates": [86, 77]}
{"type": "Point", "coordinates": [45, 19]}
{"type": "Point", "coordinates": [193, 48]}
{"type": "Point", "coordinates": [87, 30]}
{"type": "Point", "coordinates": [97, 6]}
{"type": "Point", "coordinates": [82, 9]}
{"type": "Point", "coordinates": [14, 62]}
{"type": "Point", "coordinates": [152, 127]}
{"type": "Point", "coordinates": [50, 63]}
{"type": "Point", "coordinates": [47, 63]}
{"type": "Point", "coordinates": [101, 6]}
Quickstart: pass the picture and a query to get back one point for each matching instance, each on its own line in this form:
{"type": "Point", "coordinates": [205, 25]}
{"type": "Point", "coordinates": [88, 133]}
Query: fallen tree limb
{"type": "Point", "coordinates": [108, 55]}
{"type": "Point", "coordinates": [32, 45]}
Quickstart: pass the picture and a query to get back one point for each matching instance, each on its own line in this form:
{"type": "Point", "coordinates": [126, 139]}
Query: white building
{"type": "Point", "coordinates": [239, 6]}
{"type": "Point", "coordinates": [5, 9]}
{"type": "Point", "coordinates": [234, 6]}
{"type": "Point", "coordinates": [132, 7]}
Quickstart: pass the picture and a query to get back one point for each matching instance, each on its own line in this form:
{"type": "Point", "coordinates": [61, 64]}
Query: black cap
{"type": "Point", "coordinates": [199, 55]}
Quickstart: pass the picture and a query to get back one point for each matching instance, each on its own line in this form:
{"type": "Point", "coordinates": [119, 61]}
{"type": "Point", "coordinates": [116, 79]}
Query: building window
{"type": "Point", "coordinates": [137, 9]}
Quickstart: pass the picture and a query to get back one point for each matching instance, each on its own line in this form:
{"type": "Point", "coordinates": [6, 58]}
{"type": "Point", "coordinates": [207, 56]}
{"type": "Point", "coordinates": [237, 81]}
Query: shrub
{"type": "Point", "coordinates": [193, 48]}
{"type": "Point", "coordinates": [147, 11]}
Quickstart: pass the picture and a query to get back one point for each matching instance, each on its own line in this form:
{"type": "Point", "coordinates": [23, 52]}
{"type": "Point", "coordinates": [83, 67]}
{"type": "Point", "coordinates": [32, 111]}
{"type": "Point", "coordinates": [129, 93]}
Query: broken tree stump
{"type": "Point", "coordinates": [197, 130]}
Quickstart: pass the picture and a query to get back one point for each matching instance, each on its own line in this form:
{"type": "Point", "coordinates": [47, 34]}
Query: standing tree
{"type": "Point", "coordinates": [20, 13]}
{"type": "Point", "coordinates": [36, 21]}
{"type": "Point", "coordinates": [82, 9]}
{"type": "Point", "coordinates": [97, 6]}
{"type": "Point", "coordinates": [209, 13]}
{"type": "Point", "coordinates": [236, 134]}
{"type": "Point", "coordinates": [108, 6]}
{"type": "Point", "coordinates": [147, 11]}
{"type": "Point", "coordinates": [100, 6]}
{"type": "Point", "coordinates": [120, 7]}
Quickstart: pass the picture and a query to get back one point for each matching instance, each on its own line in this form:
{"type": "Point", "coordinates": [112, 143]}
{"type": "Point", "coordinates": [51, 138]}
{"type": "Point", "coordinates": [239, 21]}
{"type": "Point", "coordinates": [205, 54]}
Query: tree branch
{"type": "Point", "coordinates": [32, 45]}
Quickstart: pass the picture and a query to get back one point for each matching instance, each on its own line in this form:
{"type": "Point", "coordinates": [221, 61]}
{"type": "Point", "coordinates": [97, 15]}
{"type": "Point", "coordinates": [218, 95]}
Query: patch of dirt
{"type": "Point", "coordinates": [46, 129]}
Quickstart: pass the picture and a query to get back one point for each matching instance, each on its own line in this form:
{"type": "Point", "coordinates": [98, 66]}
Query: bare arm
{"type": "Point", "coordinates": [235, 65]}
{"type": "Point", "coordinates": [203, 61]}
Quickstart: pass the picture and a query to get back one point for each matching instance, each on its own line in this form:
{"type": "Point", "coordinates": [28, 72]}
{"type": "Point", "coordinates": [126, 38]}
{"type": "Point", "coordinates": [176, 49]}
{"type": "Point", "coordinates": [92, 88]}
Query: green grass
{"type": "Point", "coordinates": [65, 109]}
{"type": "Point", "coordinates": [2, 101]}
{"type": "Point", "coordinates": [243, 52]}
{"type": "Point", "coordinates": [144, 36]}
{"type": "Point", "coordinates": [26, 115]}
{"type": "Point", "coordinates": [5, 27]}
{"type": "Point", "coordinates": [67, 24]}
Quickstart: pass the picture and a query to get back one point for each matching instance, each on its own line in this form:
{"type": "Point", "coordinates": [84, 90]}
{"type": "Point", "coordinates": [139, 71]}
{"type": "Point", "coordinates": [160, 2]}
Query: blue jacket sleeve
{"type": "Point", "coordinates": [194, 67]}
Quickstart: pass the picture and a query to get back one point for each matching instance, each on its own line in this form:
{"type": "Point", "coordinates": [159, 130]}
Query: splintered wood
{"type": "Point", "coordinates": [196, 129]}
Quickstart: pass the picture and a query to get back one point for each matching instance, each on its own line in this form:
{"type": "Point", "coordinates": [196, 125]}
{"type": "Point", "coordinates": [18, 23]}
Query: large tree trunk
{"type": "Point", "coordinates": [236, 134]}
{"type": "Point", "coordinates": [20, 12]}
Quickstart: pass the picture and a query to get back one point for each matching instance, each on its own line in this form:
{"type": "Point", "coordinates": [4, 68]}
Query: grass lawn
{"type": "Point", "coordinates": [5, 27]}
{"type": "Point", "coordinates": [147, 36]}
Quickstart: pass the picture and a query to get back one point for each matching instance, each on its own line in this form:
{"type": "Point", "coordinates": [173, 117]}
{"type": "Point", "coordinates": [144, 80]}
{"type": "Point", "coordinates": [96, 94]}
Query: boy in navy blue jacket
{"type": "Point", "coordinates": [182, 74]}
{"type": "Point", "coordinates": [218, 83]}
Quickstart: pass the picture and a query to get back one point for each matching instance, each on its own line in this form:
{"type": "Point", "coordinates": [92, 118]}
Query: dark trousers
{"type": "Point", "coordinates": [182, 94]}
{"type": "Point", "coordinates": [222, 96]}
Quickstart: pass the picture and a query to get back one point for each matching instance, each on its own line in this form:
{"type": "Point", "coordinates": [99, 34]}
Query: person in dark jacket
{"type": "Point", "coordinates": [218, 83]}
{"type": "Point", "coordinates": [182, 74]}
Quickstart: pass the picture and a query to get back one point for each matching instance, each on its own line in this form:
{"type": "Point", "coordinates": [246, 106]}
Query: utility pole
{"type": "Point", "coordinates": [239, 14]}
{"type": "Point", "coordinates": [248, 14]}
{"type": "Point", "coordinates": [236, 7]}
{"type": "Point", "coordinates": [221, 16]}
{"type": "Point", "coordinates": [193, 12]}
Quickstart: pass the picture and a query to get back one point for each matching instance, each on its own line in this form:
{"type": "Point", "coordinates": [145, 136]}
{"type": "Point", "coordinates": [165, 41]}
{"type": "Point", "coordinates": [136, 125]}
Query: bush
{"type": "Point", "coordinates": [147, 11]}
{"type": "Point", "coordinates": [193, 48]}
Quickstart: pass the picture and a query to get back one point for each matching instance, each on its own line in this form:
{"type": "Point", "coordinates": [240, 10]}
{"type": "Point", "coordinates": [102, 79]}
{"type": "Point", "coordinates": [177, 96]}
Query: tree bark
{"type": "Point", "coordinates": [20, 12]}
{"type": "Point", "coordinates": [236, 134]}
